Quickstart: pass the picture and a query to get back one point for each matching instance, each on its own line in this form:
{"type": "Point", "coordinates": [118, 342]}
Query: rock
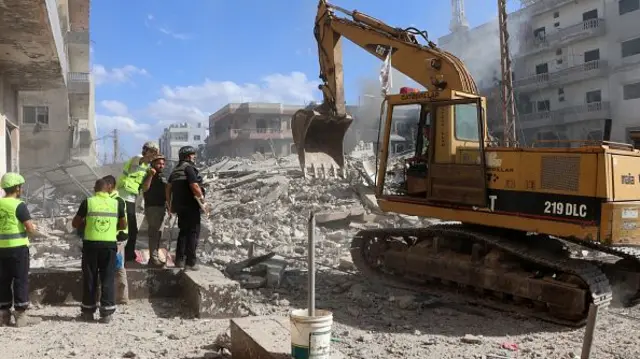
{"type": "Point", "coordinates": [129, 354]}
{"type": "Point", "coordinates": [471, 339]}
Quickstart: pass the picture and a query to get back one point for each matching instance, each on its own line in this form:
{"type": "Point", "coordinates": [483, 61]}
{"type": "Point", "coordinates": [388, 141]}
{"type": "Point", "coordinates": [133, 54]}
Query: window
{"type": "Point", "coordinates": [542, 69]}
{"type": "Point", "coordinates": [556, 14]}
{"type": "Point", "coordinates": [592, 55]}
{"type": "Point", "coordinates": [196, 137]}
{"type": "Point", "coordinates": [35, 114]}
{"type": "Point", "coordinates": [560, 95]}
{"type": "Point", "coordinates": [625, 6]}
{"type": "Point", "coordinates": [261, 125]}
{"type": "Point", "coordinates": [631, 91]}
{"type": "Point", "coordinates": [558, 52]}
{"type": "Point", "coordinates": [544, 106]}
{"type": "Point", "coordinates": [539, 34]}
{"type": "Point", "coordinates": [594, 96]}
{"type": "Point", "coordinates": [590, 15]}
{"type": "Point", "coordinates": [631, 47]}
{"type": "Point", "coordinates": [556, 24]}
{"type": "Point", "coordinates": [466, 122]}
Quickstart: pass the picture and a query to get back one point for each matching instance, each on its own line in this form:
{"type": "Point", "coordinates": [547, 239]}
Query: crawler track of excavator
{"type": "Point", "coordinates": [506, 270]}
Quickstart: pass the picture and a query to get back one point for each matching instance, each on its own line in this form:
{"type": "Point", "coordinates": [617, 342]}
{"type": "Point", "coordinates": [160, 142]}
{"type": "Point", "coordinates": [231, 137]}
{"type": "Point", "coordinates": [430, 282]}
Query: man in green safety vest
{"type": "Point", "coordinates": [129, 185]}
{"type": "Point", "coordinates": [15, 224]}
{"type": "Point", "coordinates": [122, 286]}
{"type": "Point", "coordinates": [102, 218]}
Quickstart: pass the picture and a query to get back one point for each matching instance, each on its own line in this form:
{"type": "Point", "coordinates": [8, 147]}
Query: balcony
{"type": "Point", "coordinates": [580, 31]}
{"type": "Point", "coordinates": [32, 54]}
{"type": "Point", "coordinates": [79, 82]}
{"type": "Point", "coordinates": [79, 37]}
{"type": "Point", "coordinates": [252, 134]}
{"type": "Point", "coordinates": [563, 77]}
{"type": "Point", "coordinates": [567, 115]}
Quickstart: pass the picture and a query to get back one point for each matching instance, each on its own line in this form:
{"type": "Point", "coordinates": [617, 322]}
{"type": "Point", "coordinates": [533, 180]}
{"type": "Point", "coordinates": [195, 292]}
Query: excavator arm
{"type": "Point", "coordinates": [318, 131]}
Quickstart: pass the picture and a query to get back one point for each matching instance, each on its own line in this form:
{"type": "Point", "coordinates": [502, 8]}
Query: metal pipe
{"type": "Point", "coordinates": [312, 265]}
{"type": "Point", "coordinates": [589, 330]}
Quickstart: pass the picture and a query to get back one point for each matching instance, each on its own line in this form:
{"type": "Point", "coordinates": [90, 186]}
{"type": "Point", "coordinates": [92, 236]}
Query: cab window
{"type": "Point", "coordinates": [466, 122]}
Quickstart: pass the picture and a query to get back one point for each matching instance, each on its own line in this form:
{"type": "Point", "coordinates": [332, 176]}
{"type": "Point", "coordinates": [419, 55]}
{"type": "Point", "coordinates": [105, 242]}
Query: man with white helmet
{"type": "Point", "coordinates": [129, 185]}
{"type": "Point", "coordinates": [15, 226]}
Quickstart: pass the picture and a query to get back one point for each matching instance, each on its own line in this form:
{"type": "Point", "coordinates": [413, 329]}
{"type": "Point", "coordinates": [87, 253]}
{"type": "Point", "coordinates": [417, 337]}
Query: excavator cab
{"type": "Point", "coordinates": [449, 164]}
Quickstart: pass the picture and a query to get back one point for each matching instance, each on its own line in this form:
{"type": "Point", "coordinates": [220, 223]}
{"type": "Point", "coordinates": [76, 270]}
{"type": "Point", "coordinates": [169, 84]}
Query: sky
{"type": "Point", "coordinates": [161, 62]}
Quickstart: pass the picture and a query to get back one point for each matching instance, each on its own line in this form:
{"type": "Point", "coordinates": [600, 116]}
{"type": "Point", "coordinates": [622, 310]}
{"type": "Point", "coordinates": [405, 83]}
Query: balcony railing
{"type": "Point", "coordinates": [582, 30]}
{"type": "Point", "coordinates": [79, 82]}
{"type": "Point", "coordinates": [566, 115]}
{"type": "Point", "coordinates": [564, 76]}
{"type": "Point", "coordinates": [534, 7]}
{"type": "Point", "coordinates": [252, 134]}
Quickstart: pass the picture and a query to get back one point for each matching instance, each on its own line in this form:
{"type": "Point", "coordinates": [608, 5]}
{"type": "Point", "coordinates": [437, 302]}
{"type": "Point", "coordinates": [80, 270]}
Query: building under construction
{"type": "Point", "coordinates": [575, 64]}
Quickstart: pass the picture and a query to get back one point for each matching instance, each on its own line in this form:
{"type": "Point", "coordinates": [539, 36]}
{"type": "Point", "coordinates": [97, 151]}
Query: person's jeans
{"type": "Point", "coordinates": [188, 238]}
{"type": "Point", "coordinates": [132, 222]}
{"type": "Point", "coordinates": [155, 219]}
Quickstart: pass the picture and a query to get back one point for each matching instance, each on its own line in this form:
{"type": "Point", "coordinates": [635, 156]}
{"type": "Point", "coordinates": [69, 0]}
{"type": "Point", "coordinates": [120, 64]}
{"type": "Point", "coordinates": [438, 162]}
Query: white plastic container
{"type": "Point", "coordinates": [311, 336]}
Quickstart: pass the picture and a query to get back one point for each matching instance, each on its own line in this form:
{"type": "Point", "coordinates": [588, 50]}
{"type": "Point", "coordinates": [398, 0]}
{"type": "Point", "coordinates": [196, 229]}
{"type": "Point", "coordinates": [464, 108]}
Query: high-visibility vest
{"type": "Point", "coordinates": [102, 218]}
{"type": "Point", "coordinates": [115, 195]}
{"type": "Point", "coordinates": [12, 231]}
{"type": "Point", "coordinates": [131, 179]}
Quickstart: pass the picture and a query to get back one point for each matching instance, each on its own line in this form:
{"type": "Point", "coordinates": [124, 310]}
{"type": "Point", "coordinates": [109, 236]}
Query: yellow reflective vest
{"type": "Point", "coordinates": [12, 231]}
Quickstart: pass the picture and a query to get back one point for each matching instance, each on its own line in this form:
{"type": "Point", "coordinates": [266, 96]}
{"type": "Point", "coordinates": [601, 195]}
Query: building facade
{"type": "Point", "coordinates": [57, 121]}
{"type": "Point", "coordinates": [242, 129]}
{"type": "Point", "coordinates": [181, 134]}
{"type": "Point", "coordinates": [575, 64]}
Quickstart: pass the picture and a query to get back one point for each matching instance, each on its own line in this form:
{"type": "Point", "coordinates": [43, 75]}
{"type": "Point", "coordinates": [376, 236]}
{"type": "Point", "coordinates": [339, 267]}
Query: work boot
{"type": "Point", "coordinates": [24, 320]}
{"type": "Point", "coordinates": [5, 318]}
{"type": "Point", "coordinates": [105, 319]}
{"type": "Point", "coordinates": [194, 267]}
{"type": "Point", "coordinates": [155, 263]}
{"type": "Point", "coordinates": [86, 317]}
{"type": "Point", "coordinates": [122, 286]}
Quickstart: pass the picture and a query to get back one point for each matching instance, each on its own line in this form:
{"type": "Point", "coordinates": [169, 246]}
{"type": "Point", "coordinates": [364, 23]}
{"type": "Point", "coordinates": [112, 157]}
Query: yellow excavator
{"type": "Point", "coordinates": [513, 216]}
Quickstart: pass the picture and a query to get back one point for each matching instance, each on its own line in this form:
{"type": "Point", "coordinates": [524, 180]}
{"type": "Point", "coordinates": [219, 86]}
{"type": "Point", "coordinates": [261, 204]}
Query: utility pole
{"type": "Point", "coordinates": [508, 103]}
{"type": "Point", "coordinates": [115, 145]}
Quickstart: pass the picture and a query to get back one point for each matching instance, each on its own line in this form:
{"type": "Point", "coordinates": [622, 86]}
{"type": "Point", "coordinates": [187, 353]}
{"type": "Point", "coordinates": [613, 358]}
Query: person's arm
{"type": "Point", "coordinates": [192, 180]}
{"type": "Point", "coordinates": [23, 215]}
{"type": "Point", "coordinates": [122, 215]}
{"type": "Point", "coordinates": [167, 193]}
{"type": "Point", "coordinates": [78, 220]}
{"type": "Point", "coordinates": [146, 184]}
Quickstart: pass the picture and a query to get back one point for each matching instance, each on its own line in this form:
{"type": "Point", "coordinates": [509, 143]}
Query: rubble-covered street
{"type": "Point", "coordinates": [262, 206]}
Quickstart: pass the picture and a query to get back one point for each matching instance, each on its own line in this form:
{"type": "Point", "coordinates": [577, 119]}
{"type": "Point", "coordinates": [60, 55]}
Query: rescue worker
{"type": "Point", "coordinates": [128, 186]}
{"type": "Point", "coordinates": [15, 224]}
{"type": "Point", "coordinates": [185, 188]}
{"type": "Point", "coordinates": [122, 286]}
{"type": "Point", "coordinates": [102, 217]}
{"type": "Point", "coordinates": [154, 190]}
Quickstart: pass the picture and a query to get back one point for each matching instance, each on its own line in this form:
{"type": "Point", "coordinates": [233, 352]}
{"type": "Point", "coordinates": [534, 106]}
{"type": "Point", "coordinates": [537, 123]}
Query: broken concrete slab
{"type": "Point", "coordinates": [327, 217]}
{"type": "Point", "coordinates": [212, 295]}
{"type": "Point", "coordinates": [274, 268]}
{"type": "Point", "coordinates": [264, 337]}
{"type": "Point", "coordinates": [57, 286]}
{"type": "Point", "coordinates": [368, 197]}
{"type": "Point", "coordinates": [244, 179]}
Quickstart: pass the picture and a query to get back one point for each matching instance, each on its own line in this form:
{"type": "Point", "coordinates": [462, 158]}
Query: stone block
{"type": "Point", "coordinates": [265, 337]}
{"type": "Point", "coordinates": [57, 286]}
{"type": "Point", "coordinates": [275, 268]}
{"type": "Point", "coordinates": [209, 294]}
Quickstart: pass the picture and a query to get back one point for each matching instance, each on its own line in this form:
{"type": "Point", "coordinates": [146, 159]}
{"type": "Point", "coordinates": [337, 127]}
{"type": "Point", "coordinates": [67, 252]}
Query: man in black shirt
{"type": "Point", "coordinates": [155, 204]}
{"type": "Point", "coordinates": [185, 188]}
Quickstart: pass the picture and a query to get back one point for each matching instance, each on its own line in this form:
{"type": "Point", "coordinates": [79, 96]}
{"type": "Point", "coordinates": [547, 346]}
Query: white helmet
{"type": "Point", "coordinates": [150, 145]}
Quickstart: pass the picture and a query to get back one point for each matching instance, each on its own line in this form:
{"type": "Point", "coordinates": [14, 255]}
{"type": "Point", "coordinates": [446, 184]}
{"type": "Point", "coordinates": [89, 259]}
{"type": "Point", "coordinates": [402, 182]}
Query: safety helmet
{"type": "Point", "coordinates": [11, 179]}
{"type": "Point", "coordinates": [150, 145]}
{"type": "Point", "coordinates": [157, 157]}
{"type": "Point", "coordinates": [186, 151]}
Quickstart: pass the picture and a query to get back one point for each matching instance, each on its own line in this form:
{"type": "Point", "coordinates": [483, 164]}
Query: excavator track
{"type": "Point", "coordinates": [509, 272]}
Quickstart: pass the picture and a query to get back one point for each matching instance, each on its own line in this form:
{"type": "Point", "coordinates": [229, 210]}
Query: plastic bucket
{"type": "Point", "coordinates": [311, 336]}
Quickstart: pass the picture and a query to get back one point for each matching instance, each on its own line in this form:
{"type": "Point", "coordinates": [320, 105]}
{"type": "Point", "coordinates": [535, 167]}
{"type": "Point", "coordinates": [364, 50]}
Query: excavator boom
{"type": "Point", "coordinates": [319, 131]}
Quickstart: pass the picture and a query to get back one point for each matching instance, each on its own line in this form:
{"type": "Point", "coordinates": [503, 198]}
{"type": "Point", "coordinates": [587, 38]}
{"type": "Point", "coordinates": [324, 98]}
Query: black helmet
{"type": "Point", "coordinates": [186, 151]}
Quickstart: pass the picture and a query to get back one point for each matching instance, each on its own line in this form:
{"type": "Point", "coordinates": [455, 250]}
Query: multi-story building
{"type": "Point", "coordinates": [181, 134]}
{"type": "Point", "coordinates": [57, 120]}
{"type": "Point", "coordinates": [242, 129]}
{"type": "Point", "coordinates": [32, 58]}
{"type": "Point", "coordinates": [575, 65]}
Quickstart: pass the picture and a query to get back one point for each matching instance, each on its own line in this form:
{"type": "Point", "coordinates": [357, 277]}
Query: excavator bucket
{"type": "Point", "coordinates": [319, 140]}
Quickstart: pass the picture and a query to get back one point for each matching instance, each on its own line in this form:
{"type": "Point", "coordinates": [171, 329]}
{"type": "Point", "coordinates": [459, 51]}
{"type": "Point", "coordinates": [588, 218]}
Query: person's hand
{"type": "Point", "coordinates": [152, 171]}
